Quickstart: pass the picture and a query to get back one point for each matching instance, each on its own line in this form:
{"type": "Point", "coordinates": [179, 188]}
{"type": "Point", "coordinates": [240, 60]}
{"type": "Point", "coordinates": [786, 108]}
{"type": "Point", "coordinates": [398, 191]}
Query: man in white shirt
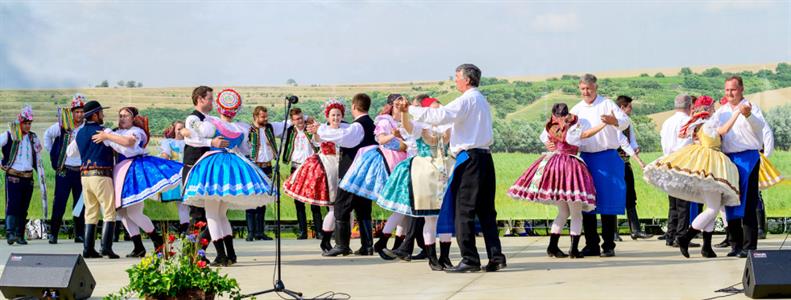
{"type": "Point", "coordinates": [742, 144]}
{"type": "Point", "coordinates": [67, 168]}
{"type": "Point", "coordinates": [297, 147]}
{"type": "Point", "coordinates": [625, 103]}
{"type": "Point", "coordinates": [21, 155]}
{"type": "Point", "coordinates": [769, 147]}
{"type": "Point", "coordinates": [263, 141]}
{"type": "Point", "coordinates": [472, 186]}
{"type": "Point", "coordinates": [601, 156]}
{"type": "Point", "coordinates": [678, 215]}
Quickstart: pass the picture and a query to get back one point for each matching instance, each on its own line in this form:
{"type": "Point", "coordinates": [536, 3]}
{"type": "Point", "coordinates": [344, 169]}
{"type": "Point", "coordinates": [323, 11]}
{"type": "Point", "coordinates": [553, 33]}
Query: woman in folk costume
{"type": "Point", "coordinates": [224, 179]}
{"type": "Point", "coordinates": [172, 148]}
{"type": "Point", "coordinates": [700, 173]}
{"type": "Point", "coordinates": [417, 185]}
{"type": "Point", "coordinates": [137, 176]}
{"type": "Point", "coordinates": [561, 178]}
{"type": "Point", "coordinates": [315, 182]}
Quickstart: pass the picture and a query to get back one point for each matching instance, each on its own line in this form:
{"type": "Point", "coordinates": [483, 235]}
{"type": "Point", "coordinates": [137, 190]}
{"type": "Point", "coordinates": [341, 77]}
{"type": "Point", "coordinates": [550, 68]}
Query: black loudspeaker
{"type": "Point", "coordinates": [65, 276]}
{"type": "Point", "coordinates": [767, 274]}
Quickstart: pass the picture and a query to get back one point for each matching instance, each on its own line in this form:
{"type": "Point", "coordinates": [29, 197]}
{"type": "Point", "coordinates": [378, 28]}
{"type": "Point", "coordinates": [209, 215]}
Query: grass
{"type": "Point", "coordinates": [652, 203]}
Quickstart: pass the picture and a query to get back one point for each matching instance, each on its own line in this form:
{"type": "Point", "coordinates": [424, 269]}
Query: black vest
{"type": "Point", "coordinates": [7, 149]}
{"type": "Point", "coordinates": [192, 154]}
{"type": "Point", "coordinates": [94, 156]}
{"type": "Point", "coordinates": [348, 154]}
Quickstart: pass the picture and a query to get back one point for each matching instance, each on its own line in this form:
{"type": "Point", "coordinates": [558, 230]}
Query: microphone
{"type": "Point", "coordinates": [292, 99]}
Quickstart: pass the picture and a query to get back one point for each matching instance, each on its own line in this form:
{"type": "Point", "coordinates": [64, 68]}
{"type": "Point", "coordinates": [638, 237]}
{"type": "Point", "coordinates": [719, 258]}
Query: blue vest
{"type": "Point", "coordinates": [94, 156]}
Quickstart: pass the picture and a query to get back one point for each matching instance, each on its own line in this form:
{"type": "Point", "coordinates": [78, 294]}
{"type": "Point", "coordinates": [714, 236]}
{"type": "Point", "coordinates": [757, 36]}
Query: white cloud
{"type": "Point", "coordinates": [736, 5]}
{"type": "Point", "coordinates": [556, 22]}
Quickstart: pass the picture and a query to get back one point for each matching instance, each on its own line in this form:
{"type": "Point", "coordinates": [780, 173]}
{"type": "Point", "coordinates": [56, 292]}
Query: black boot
{"type": "Point", "coordinates": [683, 241]}
{"type": "Point", "coordinates": [342, 237]}
{"type": "Point", "coordinates": [726, 242]}
{"type": "Point", "coordinates": [156, 239]}
{"type": "Point", "coordinates": [54, 229]}
{"type": "Point", "coordinates": [10, 229]}
{"type": "Point", "coordinates": [89, 244]}
{"type": "Point", "coordinates": [79, 230]}
{"type": "Point", "coordinates": [634, 225]}
{"type": "Point", "coordinates": [183, 227]}
{"type": "Point", "coordinates": [139, 250]}
{"type": "Point", "coordinates": [249, 216]}
{"type": "Point", "coordinates": [20, 231]}
{"type": "Point", "coordinates": [108, 233]}
{"type": "Point", "coordinates": [444, 255]}
{"type": "Point", "coordinates": [260, 224]}
{"type": "Point", "coordinates": [433, 262]}
{"type": "Point", "coordinates": [228, 241]}
{"type": "Point", "coordinates": [398, 241]}
{"type": "Point", "coordinates": [761, 215]}
{"type": "Point", "coordinates": [706, 250]}
{"type": "Point", "coordinates": [735, 237]}
{"type": "Point", "coordinates": [420, 255]}
{"type": "Point", "coordinates": [397, 253]}
{"type": "Point", "coordinates": [366, 239]}
{"type": "Point", "coordinates": [575, 243]}
{"type": "Point", "coordinates": [381, 243]}
{"type": "Point", "coordinates": [222, 259]}
{"type": "Point", "coordinates": [552, 249]}
{"type": "Point", "coordinates": [118, 226]}
{"type": "Point", "coordinates": [326, 244]}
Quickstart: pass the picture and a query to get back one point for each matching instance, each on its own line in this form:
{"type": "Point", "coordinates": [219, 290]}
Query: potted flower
{"type": "Point", "coordinates": [178, 270]}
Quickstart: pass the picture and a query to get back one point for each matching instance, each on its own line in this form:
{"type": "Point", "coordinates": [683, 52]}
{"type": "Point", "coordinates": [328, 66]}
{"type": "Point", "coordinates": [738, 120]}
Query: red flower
{"type": "Point", "coordinates": [201, 264]}
{"type": "Point", "coordinates": [172, 253]}
{"type": "Point", "coordinates": [200, 224]}
{"type": "Point", "coordinates": [195, 232]}
{"type": "Point", "coordinates": [204, 242]}
{"type": "Point", "coordinates": [171, 238]}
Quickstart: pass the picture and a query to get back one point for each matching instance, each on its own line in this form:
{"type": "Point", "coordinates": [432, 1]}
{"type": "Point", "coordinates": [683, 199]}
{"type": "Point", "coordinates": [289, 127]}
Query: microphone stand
{"type": "Point", "coordinates": [279, 287]}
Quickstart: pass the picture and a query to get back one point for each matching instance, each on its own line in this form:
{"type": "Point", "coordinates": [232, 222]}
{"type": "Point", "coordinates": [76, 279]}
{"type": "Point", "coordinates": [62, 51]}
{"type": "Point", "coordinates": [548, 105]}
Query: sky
{"type": "Point", "coordinates": [59, 44]}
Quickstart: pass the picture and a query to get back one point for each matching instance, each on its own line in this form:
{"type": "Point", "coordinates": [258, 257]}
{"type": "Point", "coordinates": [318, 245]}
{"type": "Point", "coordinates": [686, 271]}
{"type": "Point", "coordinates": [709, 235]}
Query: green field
{"type": "Point", "coordinates": [509, 166]}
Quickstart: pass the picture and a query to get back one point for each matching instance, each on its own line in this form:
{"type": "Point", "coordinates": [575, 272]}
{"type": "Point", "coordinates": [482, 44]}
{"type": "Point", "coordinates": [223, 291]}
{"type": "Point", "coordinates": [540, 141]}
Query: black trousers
{"type": "Point", "coordinates": [302, 219]}
{"type": "Point", "coordinates": [414, 233]}
{"type": "Point", "coordinates": [678, 218]}
{"type": "Point", "coordinates": [346, 202]}
{"type": "Point", "coordinates": [18, 193]}
{"type": "Point", "coordinates": [257, 216]}
{"type": "Point", "coordinates": [68, 183]}
{"type": "Point", "coordinates": [631, 195]}
{"type": "Point", "coordinates": [474, 185]}
{"type": "Point", "coordinates": [749, 223]}
{"type": "Point", "coordinates": [609, 224]}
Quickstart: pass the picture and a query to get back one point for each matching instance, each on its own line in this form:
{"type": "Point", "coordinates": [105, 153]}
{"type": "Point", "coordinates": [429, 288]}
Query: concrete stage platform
{"type": "Point", "coordinates": [641, 270]}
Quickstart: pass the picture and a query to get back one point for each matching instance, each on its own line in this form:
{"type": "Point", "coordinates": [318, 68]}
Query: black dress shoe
{"type": "Point", "coordinates": [302, 236]}
{"type": "Point", "coordinates": [337, 251]}
{"type": "Point", "coordinates": [364, 251]}
{"type": "Point", "coordinates": [723, 244]}
{"type": "Point", "coordinates": [463, 268]}
{"type": "Point", "coordinates": [662, 237]}
{"type": "Point", "coordinates": [387, 254]}
{"type": "Point", "coordinates": [608, 253]}
{"type": "Point", "coordinates": [694, 245]}
{"type": "Point", "coordinates": [734, 253]}
{"type": "Point", "coordinates": [91, 253]}
{"type": "Point", "coordinates": [79, 239]}
{"type": "Point", "coordinates": [249, 238]}
{"type": "Point", "coordinates": [589, 252]}
{"type": "Point", "coordinates": [419, 256]}
{"type": "Point", "coordinates": [641, 235]}
{"type": "Point", "coordinates": [494, 266]}
{"type": "Point", "coordinates": [743, 254]}
{"type": "Point", "coordinates": [264, 237]}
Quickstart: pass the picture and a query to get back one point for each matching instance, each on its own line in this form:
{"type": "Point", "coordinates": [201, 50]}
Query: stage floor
{"type": "Point", "coordinates": [642, 269]}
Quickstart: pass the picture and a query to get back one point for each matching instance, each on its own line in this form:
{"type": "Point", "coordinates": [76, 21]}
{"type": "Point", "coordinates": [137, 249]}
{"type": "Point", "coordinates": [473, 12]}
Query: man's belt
{"type": "Point", "coordinates": [263, 164]}
{"type": "Point", "coordinates": [97, 172]}
{"type": "Point", "coordinates": [72, 168]}
{"type": "Point", "coordinates": [479, 151]}
{"type": "Point", "coordinates": [20, 174]}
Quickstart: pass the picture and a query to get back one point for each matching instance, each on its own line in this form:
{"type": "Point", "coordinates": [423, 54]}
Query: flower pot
{"type": "Point", "coordinates": [185, 295]}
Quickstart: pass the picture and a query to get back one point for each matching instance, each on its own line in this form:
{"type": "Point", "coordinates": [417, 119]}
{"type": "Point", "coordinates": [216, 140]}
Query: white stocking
{"type": "Point", "coordinates": [430, 231]}
{"type": "Point", "coordinates": [394, 220]}
{"type": "Point", "coordinates": [560, 220]}
{"type": "Point", "coordinates": [575, 209]}
{"type": "Point", "coordinates": [705, 220]}
{"type": "Point", "coordinates": [329, 220]}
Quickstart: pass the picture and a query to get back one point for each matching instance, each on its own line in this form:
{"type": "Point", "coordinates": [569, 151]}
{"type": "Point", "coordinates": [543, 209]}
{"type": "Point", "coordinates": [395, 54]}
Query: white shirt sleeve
{"type": "Point", "coordinates": [623, 120]}
{"type": "Point", "coordinates": [756, 120]}
{"type": "Point", "coordinates": [4, 138]}
{"type": "Point", "coordinates": [198, 132]}
{"type": "Point", "coordinates": [279, 127]}
{"type": "Point", "coordinates": [245, 148]}
{"type": "Point", "coordinates": [455, 110]}
{"type": "Point", "coordinates": [50, 135]}
{"type": "Point", "coordinates": [573, 135]}
{"type": "Point", "coordinates": [124, 150]}
{"type": "Point", "coordinates": [344, 137]}
{"type": "Point", "coordinates": [633, 139]}
{"type": "Point", "coordinates": [625, 146]}
{"type": "Point", "coordinates": [164, 147]}
{"type": "Point", "coordinates": [769, 140]}
{"type": "Point", "coordinates": [72, 149]}
{"type": "Point", "coordinates": [544, 136]}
